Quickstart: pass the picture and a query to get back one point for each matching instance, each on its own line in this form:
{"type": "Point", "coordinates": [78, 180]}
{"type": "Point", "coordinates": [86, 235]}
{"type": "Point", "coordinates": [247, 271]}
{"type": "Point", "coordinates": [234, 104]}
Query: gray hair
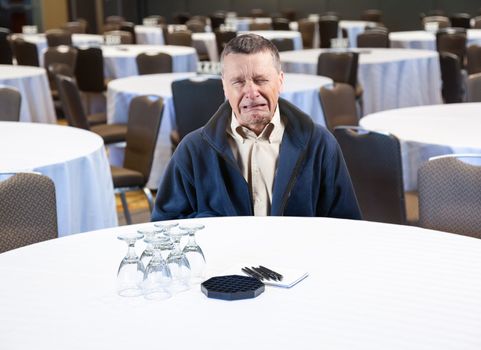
{"type": "Point", "coordinates": [251, 44]}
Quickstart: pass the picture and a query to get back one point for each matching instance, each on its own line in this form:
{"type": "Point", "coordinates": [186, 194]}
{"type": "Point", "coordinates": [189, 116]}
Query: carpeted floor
{"type": "Point", "coordinates": [138, 207]}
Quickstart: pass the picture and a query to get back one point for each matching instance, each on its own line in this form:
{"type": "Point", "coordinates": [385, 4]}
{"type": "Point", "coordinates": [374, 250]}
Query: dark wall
{"type": "Point", "coordinates": [398, 15]}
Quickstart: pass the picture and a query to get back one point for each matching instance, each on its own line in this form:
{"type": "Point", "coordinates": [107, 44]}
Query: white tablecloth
{"type": "Point", "coordinates": [119, 61]}
{"type": "Point", "coordinates": [77, 39]}
{"type": "Point", "coordinates": [421, 39]}
{"type": "Point", "coordinates": [279, 34]}
{"type": "Point", "coordinates": [301, 90]}
{"type": "Point", "coordinates": [32, 82]}
{"type": "Point", "coordinates": [370, 286]}
{"type": "Point", "coordinates": [75, 160]}
{"type": "Point", "coordinates": [391, 78]}
{"type": "Point", "coordinates": [149, 35]}
{"type": "Point", "coordinates": [429, 131]}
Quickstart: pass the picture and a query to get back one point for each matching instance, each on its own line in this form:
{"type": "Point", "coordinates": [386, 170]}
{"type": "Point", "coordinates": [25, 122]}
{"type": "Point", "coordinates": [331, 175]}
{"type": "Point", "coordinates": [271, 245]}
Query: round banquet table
{"type": "Point", "coordinates": [370, 286]}
{"type": "Point", "coordinates": [391, 78]}
{"type": "Point", "coordinates": [149, 35]}
{"type": "Point", "coordinates": [32, 82]}
{"type": "Point", "coordinates": [301, 90]}
{"type": "Point", "coordinates": [75, 160]}
{"type": "Point", "coordinates": [420, 39]}
{"type": "Point", "coordinates": [429, 131]}
{"type": "Point", "coordinates": [77, 39]}
{"type": "Point", "coordinates": [353, 29]}
{"type": "Point", "coordinates": [119, 60]}
{"type": "Point", "coordinates": [279, 34]}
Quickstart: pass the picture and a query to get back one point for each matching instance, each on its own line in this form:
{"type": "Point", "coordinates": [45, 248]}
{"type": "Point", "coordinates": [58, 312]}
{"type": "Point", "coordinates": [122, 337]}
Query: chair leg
{"type": "Point", "coordinates": [150, 198]}
{"type": "Point", "coordinates": [125, 206]}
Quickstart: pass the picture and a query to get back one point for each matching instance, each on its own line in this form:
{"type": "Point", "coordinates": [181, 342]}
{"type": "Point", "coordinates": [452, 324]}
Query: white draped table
{"type": "Point", "coordinates": [75, 160]}
{"type": "Point", "coordinates": [370, 286]}
{"type": "Point", "coordinates": [429, 131]}
{"type": "Point", "coordinates": [32, 82]}
{"type": "Point", "coordinates": [391, 78]}
{"type": "Point", "coordinates": [301, 90]}
{"type": "Point", "coordinates": [119, 60]}
{"type": "Point", "coordinates": [420, 39]}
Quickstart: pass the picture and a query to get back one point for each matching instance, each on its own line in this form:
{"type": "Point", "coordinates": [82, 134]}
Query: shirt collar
{"type": "Point", "coordinates": [272, 132]}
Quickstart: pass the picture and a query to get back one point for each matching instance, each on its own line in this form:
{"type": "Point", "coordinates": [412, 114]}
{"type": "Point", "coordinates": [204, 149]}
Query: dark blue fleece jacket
{"type": "Point", "coordinates": [203, 178]}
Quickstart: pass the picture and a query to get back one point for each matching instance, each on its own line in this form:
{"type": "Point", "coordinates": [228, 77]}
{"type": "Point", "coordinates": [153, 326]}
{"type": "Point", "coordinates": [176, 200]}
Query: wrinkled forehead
{"type": "Point", "coordinates": [259, 62]}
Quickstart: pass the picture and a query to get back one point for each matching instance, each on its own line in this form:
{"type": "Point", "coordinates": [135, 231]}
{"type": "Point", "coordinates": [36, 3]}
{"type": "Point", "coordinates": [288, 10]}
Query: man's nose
{"type": "Point", "coordinates": [251, 89]}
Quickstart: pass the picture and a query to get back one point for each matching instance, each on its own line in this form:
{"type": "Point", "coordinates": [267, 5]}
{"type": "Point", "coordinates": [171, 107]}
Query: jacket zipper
{"type": "Point", "coordinates": [287, 193]}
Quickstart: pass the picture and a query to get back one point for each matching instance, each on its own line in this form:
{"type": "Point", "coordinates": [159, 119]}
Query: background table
{"type": "Point", "coordinates": [429, 131]}
{"type": "Point", "coordinates": [391, 78]}
{"type": "Point", "coordinates": [75, 160]}
{"type": "Point", "coordinates": [77, 39]}
{"type": "Point", "coordinates": [370, 286]}
{"type": "Point", "coordinates": [119, 60]}
{"type": "Point", "coordinates": [421, 39]}
{"type": "Point", "coordinates": [302, 90]}
{"type": "Point", "coordinates": [149, 35]}
{"type": "Point", "coordinates": [32, 82]}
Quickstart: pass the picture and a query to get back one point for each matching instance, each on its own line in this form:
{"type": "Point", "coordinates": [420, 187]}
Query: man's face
{"type": "Point", "coordinates": [252, 85]}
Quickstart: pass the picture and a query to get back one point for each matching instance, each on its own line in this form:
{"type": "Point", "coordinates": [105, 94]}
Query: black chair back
{"type": "Point", "coordinates": [6, 55]}
{"type": "Point", "coordinates": [284, 44]}
{"type": "Point", "coordinates": [451, 77]}
{"type": "Point", "coordinates": [328, 29]}
{"type": "Point", "coordinates": [10, 100]}
{"type": "Point", "coordinates": [25, 53]}
{"type": "Point", "coordinates": [89, 70]}
{"type": "Point", "coordinates": [156, 63]}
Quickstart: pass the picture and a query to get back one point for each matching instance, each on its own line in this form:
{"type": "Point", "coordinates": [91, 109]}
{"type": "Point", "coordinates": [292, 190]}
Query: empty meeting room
{"type": "Point", "coordinates": [236, 173]}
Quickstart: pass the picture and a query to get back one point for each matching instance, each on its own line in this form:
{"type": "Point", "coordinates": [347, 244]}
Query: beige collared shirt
{"type": "Point", "coordinates": [257, 157]}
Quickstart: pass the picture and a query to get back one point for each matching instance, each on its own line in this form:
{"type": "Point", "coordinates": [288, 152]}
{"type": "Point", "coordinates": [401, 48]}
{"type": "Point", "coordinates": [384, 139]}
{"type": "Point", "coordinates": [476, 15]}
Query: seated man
{"type": "Point", "coordinates": [259, 154]}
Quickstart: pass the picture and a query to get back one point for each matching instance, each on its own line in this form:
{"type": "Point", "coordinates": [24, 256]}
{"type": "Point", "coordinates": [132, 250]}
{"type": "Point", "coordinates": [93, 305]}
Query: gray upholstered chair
{"type": "Point", "coordinates": [473, 88]}
{"type": "Point", "coordinates": [10, 100]}
{"type": "Point", "coordinates": [307, 29]}
{"type": "Point", "coordinates": [260, 26]}
{"type": "Point", "coordinates": [28, 211]}
{"type": "Point", "coordinates": [373, 38]}
{"type": "Point", "coordinates": [25, 52]}
{"type": "Point", "coordinates": [145, 115]}
{"type": "Point", "coordinates": [57, 37]}
{"type": "Point", "coordinates": [76, 116]}
{"type": "Point", "coordinates": [473, 59]}
{"type": "Point", "coordinates": [283, 44]}
{"type": "Point", "coordinates": [374, 163]}
{"type": "Point", "coordinates": [450, 194]}
{"type": "Point", "coordinates": [180, 38]}
{"type": "Point", "coordinates": [154, 63]}
{"type": "Point", "coordinates": [339, 105]}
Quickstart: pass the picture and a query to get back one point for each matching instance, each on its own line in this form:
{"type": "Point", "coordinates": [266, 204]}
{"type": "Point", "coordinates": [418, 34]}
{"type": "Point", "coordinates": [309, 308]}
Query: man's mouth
{"type": "Point", "coordinates": [254, 106]}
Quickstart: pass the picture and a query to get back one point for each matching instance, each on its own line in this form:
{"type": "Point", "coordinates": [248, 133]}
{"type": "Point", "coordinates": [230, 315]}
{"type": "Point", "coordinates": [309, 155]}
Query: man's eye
{"type": "Point", "coordinates": [260, 81]}
{"type": "Point", "coordinates": [237, 82]}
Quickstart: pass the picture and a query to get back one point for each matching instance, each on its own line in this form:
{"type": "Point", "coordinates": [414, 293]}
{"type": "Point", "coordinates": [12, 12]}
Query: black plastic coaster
{"type": "Point", "coordinates": [232, 287]}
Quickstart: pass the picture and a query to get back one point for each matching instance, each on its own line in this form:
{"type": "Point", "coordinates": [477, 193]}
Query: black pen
{"type": "Point", "coordinates": [252, 273]}
{"type": "Point", "coordinates": [267, 275]}
{"type": "Point", "coordinates": [278, 275]}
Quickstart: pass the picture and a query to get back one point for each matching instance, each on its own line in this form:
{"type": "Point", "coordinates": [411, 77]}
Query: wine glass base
{"type": "Point", "coordinates": [130, 292]}
{"type": "Point", "coordinates": [157, 295]}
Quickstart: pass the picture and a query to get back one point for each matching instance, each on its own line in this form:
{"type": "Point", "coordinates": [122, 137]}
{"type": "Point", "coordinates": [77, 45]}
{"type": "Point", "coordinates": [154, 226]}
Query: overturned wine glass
{"type": "Point", "coordinates": [194, 254]}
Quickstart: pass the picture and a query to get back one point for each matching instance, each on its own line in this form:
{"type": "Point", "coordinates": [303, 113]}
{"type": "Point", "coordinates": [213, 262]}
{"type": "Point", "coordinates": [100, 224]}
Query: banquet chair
{"type": "Point", "coordinates": [6, 55]}
{"type": "Point", "coordinates": [124, 37]}
{"type": "Point", "coordinates": [442, 21]}
{"type": "Point", "coordinates": [195, 26]}
{"type": "Point", "coordinates": [452, 40]}
{"type": "Point", "coordinates": [58, 54]}
{"type": "Point", "coordinates": [10, 100]}
{"type": "Point", "coordinates": [450, 194]}
{"type": "Point", "coordinates": [89, 74]}
{"type": "Point", "coordinates": [114, 19]}
{"type": "Point", "coordinates": [28, 210]}
{"type": "Point", "coordinates": [181, 17]}
{"type": "Point", "coordinates": [55, 69]}
{"type": "Point", "coordinates": [154, 63]}
{"type": "Point", "coordinates": [76, 116]}
{"type": "Point", "coordinates": [75, 27]}
{"type": "Point", "coordinates": [145, 115]}
{"type": "Point", "coordinates": [372, 15]}
{"type": "Point", "coordinates": [374, 162]}
{"type": "Point", "coordinates": [260, 26]}
{"type": "Point", "coordinates": [473, 59]}
{"type": "Point", "coordinates": [129, 28]}
{"type": "Point", "coordinates": [283, 44]}
{"type": "Point", "coordinates": [328, 29]}
{"type": "Point", "coordinates": [200, 18]}
{"type": "Point", "coordinates": [195, 102]}
{"type": "Point", "coordinates": [339, 105]}
{"type": "Point", "coordinates": [179, 38]}
{"type": "Point", "coordinates": [373, 38]}
{"type": "Point", "coordinates": [473, 88]}
{"type": "Point", "coordinates": [109, 27]}
{"type": "Point", "coordinates": [460, 20]}
{"type": "Point", "coordinates": [452, 89]}
{"type": "Point", "coordinates": [57, 37]}
{"type": "Point", "coordinates": [307, 29]}
{"type": "Point", "coordinates": [222, 38]}
{"type": "Point", "coordinates": [280, 24]}
{"type": "Point", "coordinates": [25, 53]}
{"type": "Point", "coordinates": [216, 20]}
{"type": "Point", "coordinates": [342, 67]}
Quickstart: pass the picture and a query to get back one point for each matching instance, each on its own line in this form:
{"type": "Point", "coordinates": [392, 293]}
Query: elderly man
{"type": "Point", "coordinates": [259, 154]}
